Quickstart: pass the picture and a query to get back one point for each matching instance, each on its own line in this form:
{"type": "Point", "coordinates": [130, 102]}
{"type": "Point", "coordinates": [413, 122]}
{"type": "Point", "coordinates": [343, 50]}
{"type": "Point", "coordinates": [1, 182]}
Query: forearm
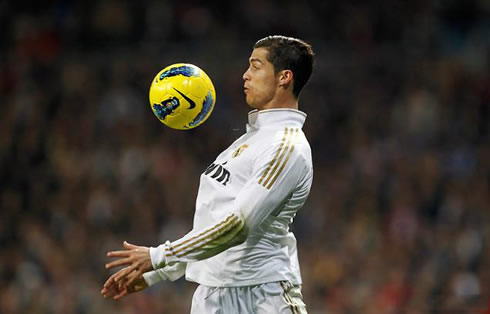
{"type": "Point", "coordinates": [171, 273]}
{"type": "Point", "coordinates": [202, 244]}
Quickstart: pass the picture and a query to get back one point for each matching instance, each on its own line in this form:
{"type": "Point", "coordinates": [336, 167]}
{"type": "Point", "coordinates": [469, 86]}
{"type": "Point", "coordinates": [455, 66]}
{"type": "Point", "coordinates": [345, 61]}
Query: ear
{"type": "Point", "coordinates": [285, 77]}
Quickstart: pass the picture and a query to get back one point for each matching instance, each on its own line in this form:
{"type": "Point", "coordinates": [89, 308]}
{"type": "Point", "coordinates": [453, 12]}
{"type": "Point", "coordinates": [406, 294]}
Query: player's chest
{"type": "Point", "coordinates": [234, 166]}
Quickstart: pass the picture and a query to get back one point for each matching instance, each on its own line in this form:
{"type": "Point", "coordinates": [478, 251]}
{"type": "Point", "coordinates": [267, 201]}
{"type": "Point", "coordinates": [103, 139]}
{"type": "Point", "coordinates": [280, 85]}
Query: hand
{"type": "Point", "coordinates": [137, 259]}
{"type": "Point", "coordinates": [115, 290]}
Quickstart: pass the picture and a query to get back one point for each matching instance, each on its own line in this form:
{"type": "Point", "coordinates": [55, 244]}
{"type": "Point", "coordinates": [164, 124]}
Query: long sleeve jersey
{"type": "Point", "coordinates": [246, 201]}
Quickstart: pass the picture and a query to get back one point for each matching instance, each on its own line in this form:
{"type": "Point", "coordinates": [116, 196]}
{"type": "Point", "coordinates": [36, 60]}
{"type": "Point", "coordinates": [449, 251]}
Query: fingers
{"type": "Point", "coordinates": [109, 293]}
{"type": "Point", "coordinates": [117, 280]}
{"type": "Point", "coordinates": [125, 253]}
{"type": "Point", "coordinates": [114, 293]}
{"type": "Point", "coordinates": [110, 282]}
{"type": "Point", "coordinates": [120, 275]}
{"type": "Point", "coordinates": [132, 277]}
{"type": "Point", "coordinates": [119, 262]}
{"type": "Point", "coordinates": [115, 290]}
{"type": "Point", "coordinates": [119, 253]}
{"type": "Point", "coordinates": [126, 277]}
{"type": "Point", "coordinates": [122, 294]}
{"type": "Point", "coordinates": [127, 284]}
{"type": "Point", "coordinates": [130, 246]}
{"type": "Point", "coordinates": [122, 282]}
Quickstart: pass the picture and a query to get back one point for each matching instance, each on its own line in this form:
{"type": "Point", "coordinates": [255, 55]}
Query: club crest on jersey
{"type": "Point", "coordinates": [239, 150]}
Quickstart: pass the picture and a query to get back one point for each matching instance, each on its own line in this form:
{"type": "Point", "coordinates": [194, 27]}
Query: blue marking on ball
{"type": "Point", "coordinates": [181, 70]}
{"type": "Point", "coordinates": [166, 107]}
{"type": "Point", "coordinates": [207, 105]}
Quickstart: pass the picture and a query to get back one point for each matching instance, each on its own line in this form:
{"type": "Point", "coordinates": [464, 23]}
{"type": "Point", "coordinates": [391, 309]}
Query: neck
{"type": "Point", "coordinates": [281, 101]}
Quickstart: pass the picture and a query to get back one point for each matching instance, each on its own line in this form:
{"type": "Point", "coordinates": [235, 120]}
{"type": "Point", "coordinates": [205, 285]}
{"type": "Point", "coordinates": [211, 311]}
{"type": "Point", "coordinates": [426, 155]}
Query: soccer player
{"type": "Point", "coordinates": [240, 249]}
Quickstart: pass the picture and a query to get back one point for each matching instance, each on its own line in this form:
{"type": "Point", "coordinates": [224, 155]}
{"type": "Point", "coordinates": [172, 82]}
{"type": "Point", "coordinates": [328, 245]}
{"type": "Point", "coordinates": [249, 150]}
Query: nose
{"type": "Point", "coordinates": [246, 75]}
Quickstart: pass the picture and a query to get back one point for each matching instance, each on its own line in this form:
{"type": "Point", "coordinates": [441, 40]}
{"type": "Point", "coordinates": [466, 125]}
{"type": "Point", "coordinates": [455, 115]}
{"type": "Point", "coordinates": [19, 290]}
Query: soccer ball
{"type": "Point", "coordinates": [182, 96]}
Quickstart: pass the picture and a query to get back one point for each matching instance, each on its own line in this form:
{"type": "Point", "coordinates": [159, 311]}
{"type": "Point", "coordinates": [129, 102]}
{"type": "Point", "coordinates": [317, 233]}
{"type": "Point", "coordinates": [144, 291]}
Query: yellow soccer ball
{"type": "Point", "coordinates": [182, 96]}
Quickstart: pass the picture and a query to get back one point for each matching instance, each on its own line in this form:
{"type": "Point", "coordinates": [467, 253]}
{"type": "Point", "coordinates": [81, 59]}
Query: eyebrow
{"type": "Point", "coordinates": [255, 59]}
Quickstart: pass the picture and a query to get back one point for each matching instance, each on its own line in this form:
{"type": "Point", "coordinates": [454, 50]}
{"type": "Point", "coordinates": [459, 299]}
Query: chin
{"type": "Point", "coordinates": [250, 103]}
{"type": "Point", "coordinates": [254, 104]}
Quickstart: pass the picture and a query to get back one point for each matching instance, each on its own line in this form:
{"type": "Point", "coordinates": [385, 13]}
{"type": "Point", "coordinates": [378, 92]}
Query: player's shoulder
{"type": "Point", "coordinates": [281, 134]}
{"type": "Point", "coordinates": [290, 135]}
{"type": "Point", "coordinates": [287, 139]}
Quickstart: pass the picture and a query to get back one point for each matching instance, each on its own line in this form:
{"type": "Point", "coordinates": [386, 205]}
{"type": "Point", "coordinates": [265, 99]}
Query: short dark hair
{"type": "Point", "coordinates": [287, 53]}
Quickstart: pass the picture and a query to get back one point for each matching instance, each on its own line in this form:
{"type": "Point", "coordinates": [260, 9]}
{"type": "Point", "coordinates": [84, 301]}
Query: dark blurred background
{"type": "Point", "coordinates": [398, 220]}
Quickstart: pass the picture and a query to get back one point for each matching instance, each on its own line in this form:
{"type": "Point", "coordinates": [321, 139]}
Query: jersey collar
{"type": "Point", "coordinates": [275, 117]}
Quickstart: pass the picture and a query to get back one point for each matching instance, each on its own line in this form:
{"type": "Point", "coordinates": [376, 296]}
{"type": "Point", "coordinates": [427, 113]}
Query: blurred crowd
{"type": "Point", "coordinates": [398, 220]}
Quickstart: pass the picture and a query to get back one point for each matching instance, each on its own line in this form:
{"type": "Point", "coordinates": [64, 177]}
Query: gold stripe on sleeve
{"type": "Point", "coordinates": [285, 161]}
{"type": "Point", "coordinates": [275, 157]}
{"type": "Point", "coordinates": [227, 219]}
{"type": "Point", "coordinates": [271, 175]}
{"type": "Point", "coordinates": [210, 238]}
{"type": "Point", "coordinates": [218, 229]}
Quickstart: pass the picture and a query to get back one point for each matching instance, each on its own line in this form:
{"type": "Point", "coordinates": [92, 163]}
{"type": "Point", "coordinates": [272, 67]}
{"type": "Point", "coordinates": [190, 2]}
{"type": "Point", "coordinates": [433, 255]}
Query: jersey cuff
{"type": "Point", "coordinates": [157, 255]}
{"type": "Point", "coordinates": [152, 277]}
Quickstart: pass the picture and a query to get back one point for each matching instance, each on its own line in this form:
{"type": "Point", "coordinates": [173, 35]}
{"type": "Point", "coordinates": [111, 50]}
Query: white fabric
{"type": "Point", "coordinates": [246, 201]}
{"type": "Point", "coordinates": [171, 273]}
{"type": "Point", "coordinates": [267, 298]}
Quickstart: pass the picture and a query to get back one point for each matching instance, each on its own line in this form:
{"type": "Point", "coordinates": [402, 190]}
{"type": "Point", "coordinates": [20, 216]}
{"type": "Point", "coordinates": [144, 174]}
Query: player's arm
{"type": "Point", "coordinates": [276, 173]}
{"type": "Point", "coordinates": [170, 272]}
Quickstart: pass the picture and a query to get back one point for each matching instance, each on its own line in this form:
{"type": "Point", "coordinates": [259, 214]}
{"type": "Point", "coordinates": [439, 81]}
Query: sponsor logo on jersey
{"type": "Point", "coordinates": [218, 172]}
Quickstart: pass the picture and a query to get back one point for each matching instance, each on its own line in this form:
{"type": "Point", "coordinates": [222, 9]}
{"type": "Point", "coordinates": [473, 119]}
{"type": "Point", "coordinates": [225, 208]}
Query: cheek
{"type": "Point", "coordinates": [263, 86]}
{"type": "Point", "coordinates": [265, 82]}
{"type": "Point", "coordinates": [268, 86]}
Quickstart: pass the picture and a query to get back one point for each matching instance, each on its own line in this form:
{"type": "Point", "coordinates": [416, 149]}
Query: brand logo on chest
{"type": "Point", "coordinates": [218, 172]}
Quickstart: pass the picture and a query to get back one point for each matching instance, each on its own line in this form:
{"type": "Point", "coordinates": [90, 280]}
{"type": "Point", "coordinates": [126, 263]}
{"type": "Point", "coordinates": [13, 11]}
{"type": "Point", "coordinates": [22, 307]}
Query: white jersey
{"type": "Point", "coordinates": [247, 199]}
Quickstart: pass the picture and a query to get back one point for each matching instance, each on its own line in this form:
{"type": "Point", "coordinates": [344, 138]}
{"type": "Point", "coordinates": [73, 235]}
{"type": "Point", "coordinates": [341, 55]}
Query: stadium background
{"type": "Point", "coordinates": [398, 220]}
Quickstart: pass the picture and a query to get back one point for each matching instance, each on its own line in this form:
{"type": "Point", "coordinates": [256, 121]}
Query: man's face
{"type": "Point", "coordinates": [260, 82]}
